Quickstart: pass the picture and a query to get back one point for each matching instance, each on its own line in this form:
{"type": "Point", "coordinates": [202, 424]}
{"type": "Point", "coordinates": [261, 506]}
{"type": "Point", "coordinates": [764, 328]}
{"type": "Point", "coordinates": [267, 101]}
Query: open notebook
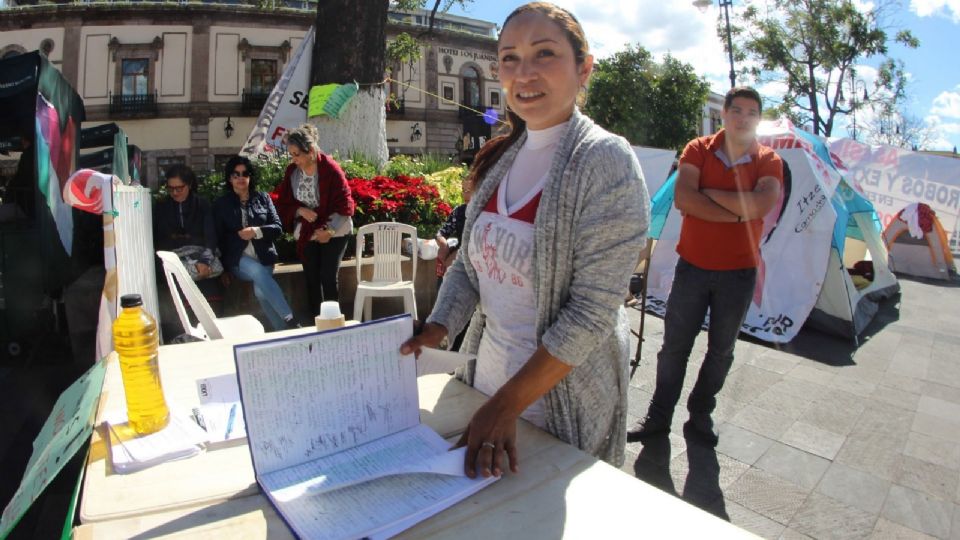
{"type": "Point", "coordinates": [333, 425]}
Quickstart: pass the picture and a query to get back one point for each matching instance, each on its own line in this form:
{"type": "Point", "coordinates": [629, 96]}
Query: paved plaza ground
{"type": "Point", "coordinates": [817, 438]}
{"type": "Point", "coordinates": [820, 439]}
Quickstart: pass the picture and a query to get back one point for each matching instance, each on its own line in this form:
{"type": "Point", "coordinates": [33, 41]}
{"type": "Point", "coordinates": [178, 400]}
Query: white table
{"type": "Point", "coordinates": [560, 491]}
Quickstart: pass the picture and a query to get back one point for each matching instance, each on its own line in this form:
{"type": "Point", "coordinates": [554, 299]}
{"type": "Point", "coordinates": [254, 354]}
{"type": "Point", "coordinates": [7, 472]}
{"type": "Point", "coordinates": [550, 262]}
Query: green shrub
{"type": "Point", "coordinates": [419, 165]}
{"type": "Point", "coordinates": [433, 163]}
{"type": "Point", "coordinates": [358, 165]}
{"type": "Point", "coordinates": [449, 183]}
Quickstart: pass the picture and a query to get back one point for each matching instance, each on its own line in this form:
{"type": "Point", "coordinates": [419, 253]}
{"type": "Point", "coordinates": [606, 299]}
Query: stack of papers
{"type": "Point", "coordinates": [220, 411]}
{"type": "Point", "coordinates": [131, 452]}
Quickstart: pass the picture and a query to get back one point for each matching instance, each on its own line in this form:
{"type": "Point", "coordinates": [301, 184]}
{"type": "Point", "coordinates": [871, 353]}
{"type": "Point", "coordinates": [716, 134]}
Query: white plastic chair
{"type": "Point", "coordinates": [208, 326]}
{"type": "Point", "coordinates": [387, 276]}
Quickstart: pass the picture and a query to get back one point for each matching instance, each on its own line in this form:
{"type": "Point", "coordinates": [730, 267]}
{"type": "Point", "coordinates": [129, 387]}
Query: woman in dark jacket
{"type": "Point", "coordinates": [315, 205]}
{"type": "Point", "coordinates": [247, 225]}
{"type": "Point", "coordinates": [183, 218]}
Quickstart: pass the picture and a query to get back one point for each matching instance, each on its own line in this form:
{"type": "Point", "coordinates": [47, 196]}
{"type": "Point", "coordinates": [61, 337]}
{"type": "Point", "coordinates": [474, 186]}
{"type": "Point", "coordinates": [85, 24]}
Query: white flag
{"type": "Point", "coordinates": [286, 108]}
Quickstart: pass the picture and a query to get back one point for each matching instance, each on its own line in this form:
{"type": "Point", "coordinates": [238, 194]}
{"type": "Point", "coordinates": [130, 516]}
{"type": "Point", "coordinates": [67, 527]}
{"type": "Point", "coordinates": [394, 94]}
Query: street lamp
{"type": "Point", "coordinates": [703, 5]}
{"type": "Point", "coordinates": [855, 83]}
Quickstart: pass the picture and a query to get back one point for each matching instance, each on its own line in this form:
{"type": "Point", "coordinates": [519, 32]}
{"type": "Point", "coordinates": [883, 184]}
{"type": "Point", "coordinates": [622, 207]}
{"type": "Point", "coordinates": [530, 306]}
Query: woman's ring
{"type": "Point", "coordinates": [488, 444]}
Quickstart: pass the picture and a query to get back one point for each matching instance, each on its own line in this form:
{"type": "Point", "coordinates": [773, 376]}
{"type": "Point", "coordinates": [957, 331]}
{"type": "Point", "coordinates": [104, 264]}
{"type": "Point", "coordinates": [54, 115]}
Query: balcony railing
{"type": "Point", "coordinates": [253, 102]}
{"type": "Point", "coordinates": [133, 104]}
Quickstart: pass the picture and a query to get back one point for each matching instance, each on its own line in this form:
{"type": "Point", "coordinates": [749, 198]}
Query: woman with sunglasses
{"type": "Point", "coordinates": [247, 224]}
{"type": "Point", "coordinates": [315, 204]}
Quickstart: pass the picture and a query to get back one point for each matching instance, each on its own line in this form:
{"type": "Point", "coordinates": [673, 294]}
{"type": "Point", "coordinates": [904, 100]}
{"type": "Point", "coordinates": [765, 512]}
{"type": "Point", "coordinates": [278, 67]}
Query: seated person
{"type": "Point", "coordinates": [247, 224]}
{"type": "Point", "coordinates": [181, 220]}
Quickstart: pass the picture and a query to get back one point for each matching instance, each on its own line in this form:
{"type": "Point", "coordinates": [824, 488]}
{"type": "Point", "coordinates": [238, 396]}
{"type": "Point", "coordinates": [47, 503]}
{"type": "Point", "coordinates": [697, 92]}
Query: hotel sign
{"type": "Point", "coordinates": [468, 54]}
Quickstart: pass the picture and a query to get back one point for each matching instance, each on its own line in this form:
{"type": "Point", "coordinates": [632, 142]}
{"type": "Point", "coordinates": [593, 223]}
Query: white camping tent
{"type": "Point", "coordinates": [803, 277]}
{"type": "Point", "coordinates": [892, 178]}
{"type": "Point", "coordinates": [655, 164]}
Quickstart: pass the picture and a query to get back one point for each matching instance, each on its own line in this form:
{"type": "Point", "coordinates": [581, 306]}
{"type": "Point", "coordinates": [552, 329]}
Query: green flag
{"type": "Point", "coordinates": [330, 99]}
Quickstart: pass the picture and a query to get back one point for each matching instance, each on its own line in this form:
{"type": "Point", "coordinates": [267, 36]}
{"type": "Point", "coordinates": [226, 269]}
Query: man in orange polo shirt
{"type": "Point", "coordinates": [726, 184]}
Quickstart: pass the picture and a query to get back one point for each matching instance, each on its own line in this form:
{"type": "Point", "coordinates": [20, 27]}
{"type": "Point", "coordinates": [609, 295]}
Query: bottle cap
{"type": "Point", "coordinates": [329, 310]}
{"type": "Point", "coordinates": [131, 300]}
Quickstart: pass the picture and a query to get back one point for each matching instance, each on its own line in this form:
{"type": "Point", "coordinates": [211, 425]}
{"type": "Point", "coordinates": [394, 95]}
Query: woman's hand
{"type": "Point", "coordinates": [493, 429]}
{"type": "Point", "coordinates": [321, 235]}
{"type": "Point", "coordinates": [307, 214]}
{"type": "Point", "coordinates": [491, 433]}
{"type": "Point", "coordinates": [247, 233]}
{"type": "Point", "coordinates": [429, 335]}
{"type": "Point", "coordinates": [203, 270]}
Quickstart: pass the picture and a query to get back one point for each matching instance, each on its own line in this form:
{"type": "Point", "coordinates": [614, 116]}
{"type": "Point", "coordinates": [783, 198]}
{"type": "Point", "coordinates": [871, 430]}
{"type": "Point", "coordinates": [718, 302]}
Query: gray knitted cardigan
{"type": "Point", "coordinates": [590, 227]}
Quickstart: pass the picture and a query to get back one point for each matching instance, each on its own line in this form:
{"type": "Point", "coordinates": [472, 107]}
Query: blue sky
{"type": "Point", "coordinates": [677, 27]}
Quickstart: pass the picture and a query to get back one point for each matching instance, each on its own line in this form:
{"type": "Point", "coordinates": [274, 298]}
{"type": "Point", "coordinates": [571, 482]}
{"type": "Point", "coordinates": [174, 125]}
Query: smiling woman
{"type": "Point", "coordinates": [545, 267]}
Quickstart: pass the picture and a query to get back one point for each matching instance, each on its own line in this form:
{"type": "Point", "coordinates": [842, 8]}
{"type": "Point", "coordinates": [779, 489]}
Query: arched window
{"type": "Point", "coordinates": [471, 88]}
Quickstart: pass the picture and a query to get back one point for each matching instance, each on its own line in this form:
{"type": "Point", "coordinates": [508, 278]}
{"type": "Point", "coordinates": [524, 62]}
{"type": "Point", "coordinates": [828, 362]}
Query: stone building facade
{"type": "Point", "coordinates": [186, 82]}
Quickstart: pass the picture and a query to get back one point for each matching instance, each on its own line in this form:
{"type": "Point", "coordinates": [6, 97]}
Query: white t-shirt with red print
{"type": "Point", "coordinates": [501, 250]}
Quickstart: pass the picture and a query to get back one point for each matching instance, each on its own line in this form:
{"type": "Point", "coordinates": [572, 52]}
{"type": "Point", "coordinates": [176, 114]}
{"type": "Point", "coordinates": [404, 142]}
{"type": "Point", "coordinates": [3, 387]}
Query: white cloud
{"type": "Point", "coordinates": [944, 8]}
{"type": "Point", "coordinates": [660, 27]}
{"type": "Point", "coordinates": [947, 104]}
{"type": "Point", "coordinates": [945, 134]}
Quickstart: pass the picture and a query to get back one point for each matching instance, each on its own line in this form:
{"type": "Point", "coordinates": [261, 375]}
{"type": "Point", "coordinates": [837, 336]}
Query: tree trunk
{"type": "Point", "coordinates": [351, 46]}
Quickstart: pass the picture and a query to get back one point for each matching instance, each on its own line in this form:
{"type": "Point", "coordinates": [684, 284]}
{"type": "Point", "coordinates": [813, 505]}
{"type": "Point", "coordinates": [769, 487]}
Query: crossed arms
{"type": "Point", "coordinates": [723, 206]}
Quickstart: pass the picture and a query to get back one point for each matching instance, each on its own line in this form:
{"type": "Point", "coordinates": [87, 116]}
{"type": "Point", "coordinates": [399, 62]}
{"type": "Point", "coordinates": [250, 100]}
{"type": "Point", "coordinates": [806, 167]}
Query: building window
{"type": "Point", "coordinates": [715, 122]}
{"type": "Point", "coordinates": [495, 98]}
{"type": "Point", "coordinates": [262, 63]}
{"type": "Point", "coordinates": [263, 75]}
{"type": "Point", "coordinates": [448, 92]}
{"type": "Point", "coordinates": [135, 76]}
{"type": "Point", "coordinates": [164, 163]}
{"type": "Point", "coordinates": [471, 88]}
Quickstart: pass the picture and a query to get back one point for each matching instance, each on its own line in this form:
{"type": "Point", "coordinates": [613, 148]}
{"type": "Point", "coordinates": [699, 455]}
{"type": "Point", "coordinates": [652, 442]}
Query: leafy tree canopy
{"type": "Point", "coordinates": [651, 103]}
{"type": "Point", "coordinates": [812, 48]}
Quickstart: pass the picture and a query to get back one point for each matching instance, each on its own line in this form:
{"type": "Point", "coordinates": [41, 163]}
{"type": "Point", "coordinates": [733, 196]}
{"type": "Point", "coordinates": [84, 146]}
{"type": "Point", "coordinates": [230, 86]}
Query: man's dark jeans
{"type": "Point", "coordinates": [727, 294]}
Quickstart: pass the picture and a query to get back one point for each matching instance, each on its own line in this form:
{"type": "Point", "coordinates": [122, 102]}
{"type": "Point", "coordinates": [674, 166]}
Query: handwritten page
{"type": "Point", "coordinates": [220, 409]}
{"type": "Point", "coordinates": [333, 426]}
{"type": "Point", "coordinates": [386, 506]}
{"type": "Point", "coordinates": [307, 397]}
{"type": "Point", "coordinates": [418, 449]}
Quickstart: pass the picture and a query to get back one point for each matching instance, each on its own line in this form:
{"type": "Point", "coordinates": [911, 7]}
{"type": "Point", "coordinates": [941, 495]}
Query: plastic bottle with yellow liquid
{"type": "Point", "coordinates": [136, 340]}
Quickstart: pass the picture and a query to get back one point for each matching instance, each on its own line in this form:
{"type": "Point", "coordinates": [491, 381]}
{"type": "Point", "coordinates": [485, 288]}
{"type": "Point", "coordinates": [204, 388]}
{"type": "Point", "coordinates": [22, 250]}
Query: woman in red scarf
{"type": "Point", "coordinates": [315, 204]}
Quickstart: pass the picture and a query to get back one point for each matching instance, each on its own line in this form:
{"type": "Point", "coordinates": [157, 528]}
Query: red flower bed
{"type": "Point", "coordinates": [403, 199]}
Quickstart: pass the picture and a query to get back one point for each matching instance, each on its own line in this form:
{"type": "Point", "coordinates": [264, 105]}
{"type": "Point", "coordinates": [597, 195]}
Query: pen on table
{"type": "Point", "coordinates": [230, 419]}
